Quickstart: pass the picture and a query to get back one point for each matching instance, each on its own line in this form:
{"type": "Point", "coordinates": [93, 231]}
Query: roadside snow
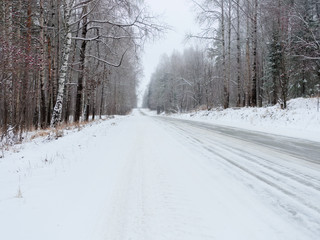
{"type": "Point", "coordinates": [51, 189]}
{"type": "Point", "coordinates": [300, 119]}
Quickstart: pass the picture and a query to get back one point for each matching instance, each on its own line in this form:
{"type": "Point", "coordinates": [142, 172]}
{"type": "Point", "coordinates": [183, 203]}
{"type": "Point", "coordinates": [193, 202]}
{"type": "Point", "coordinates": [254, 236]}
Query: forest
{"type": "Point", "coordinates": [249, 53]}
{"type": "Point", "coordinates": [66, 60]}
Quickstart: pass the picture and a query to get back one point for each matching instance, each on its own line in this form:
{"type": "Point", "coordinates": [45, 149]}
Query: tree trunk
{"type": "Point", "coordinates": [57, 54]}
{"type": "Point", "coordinates": [9, 81]}
{"type": "Point", "coordinates": [238, 56]}
{"type": "Point", "coordinates": [87, 106]}
{"type": "Point", "coordinates": [18, 88]}
{"type": "Point", "coordinates": [229, 52]}
{"type": "Point", "coordinates": [42, 70]}
{"type": "Point", "coordinates": [26, 78]}
{"type": "Point", "coordinates": [50, 82]}
{"type": "Point", "coordinates": [248, 59]}
{"type": "Point", "coordinates": [102, 93]}
{"type": "Point", "coordinates": [78, 111]}
{"type": "Point", "coordinates": [255, 56]}
{"type": "Point", "coordinates": [275, 90]}
{"type": "Point", "coordinates": [94, 104]}
{"type": "Point", "coordinates": [283, 79]}
{"type": "Point", "coordinates": [225, 79]}
{"type": "Point", "coordinates": [57, 111]}
{"type": "Point", "coordinates": [2, 76]}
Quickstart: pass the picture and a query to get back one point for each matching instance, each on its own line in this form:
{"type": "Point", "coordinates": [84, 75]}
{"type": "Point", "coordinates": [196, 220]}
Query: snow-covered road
{"type": "Point", "coordinates": [150, 178]}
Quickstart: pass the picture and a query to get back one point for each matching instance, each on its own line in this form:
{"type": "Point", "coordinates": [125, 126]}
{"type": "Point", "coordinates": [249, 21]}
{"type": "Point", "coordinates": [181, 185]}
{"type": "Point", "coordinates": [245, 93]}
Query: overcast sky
{"type": "Point", "coordinates": [179, 15]}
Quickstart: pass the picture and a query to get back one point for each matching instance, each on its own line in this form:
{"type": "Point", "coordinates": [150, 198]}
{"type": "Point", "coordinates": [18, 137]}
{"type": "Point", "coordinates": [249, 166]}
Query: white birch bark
{"type": "Point", "coordinates": [57, 111]}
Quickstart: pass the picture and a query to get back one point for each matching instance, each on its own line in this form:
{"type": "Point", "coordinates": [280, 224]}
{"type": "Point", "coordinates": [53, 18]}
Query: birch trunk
{"type": "Point", "coordinates": [57, 111]}
{"type": "Point", "coordinates": [57, 52]}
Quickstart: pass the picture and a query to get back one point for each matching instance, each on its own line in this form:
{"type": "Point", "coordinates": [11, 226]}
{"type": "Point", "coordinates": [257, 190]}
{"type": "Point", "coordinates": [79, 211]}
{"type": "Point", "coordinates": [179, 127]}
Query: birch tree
{"type": "Point", "coordinates": [57, 111]}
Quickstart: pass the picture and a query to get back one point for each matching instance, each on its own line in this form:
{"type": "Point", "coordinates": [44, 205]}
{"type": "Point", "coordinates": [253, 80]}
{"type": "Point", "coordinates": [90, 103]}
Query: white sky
{"type": "Point", "coordinates": [177, 14]}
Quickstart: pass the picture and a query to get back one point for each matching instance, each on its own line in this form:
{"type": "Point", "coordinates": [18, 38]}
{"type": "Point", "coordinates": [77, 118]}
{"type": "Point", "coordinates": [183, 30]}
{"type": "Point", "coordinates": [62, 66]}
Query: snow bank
{"type": "Point", "coordinates": [10, 143]}
{"type": "Point", "coordinates": [301, 119]}
{"type": "Point", "coordinates": [45, 183]}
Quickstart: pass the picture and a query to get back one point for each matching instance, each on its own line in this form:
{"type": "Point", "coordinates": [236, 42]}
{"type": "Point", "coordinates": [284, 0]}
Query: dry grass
{"type": "Point", "coordinates": [41, 133]}
{"type": "Point", "coordinates": [202, 108]}
{"type": "Point", "coordinates": [58, 131]}
{"type": "Point", "coordinates": [48, 133]}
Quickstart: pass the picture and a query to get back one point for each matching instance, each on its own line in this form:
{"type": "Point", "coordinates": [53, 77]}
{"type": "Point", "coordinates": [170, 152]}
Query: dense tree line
{"type": "Point", "coordinates": [252, 53]}
{"type": "Point", "coordinates": [63, 60]}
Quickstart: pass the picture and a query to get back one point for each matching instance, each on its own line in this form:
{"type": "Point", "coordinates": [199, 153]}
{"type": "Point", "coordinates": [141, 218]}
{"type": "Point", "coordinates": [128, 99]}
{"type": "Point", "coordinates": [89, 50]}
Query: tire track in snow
{"type": "Point", "coordinates": [303, 149]}
{"type": "Point", "coordinates": [297, 186]}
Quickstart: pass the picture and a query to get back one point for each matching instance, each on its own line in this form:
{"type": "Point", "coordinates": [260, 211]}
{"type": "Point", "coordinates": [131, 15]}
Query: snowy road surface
{"type": "Point", "coordinates": [150, 178]}
{"type": "Point", "coordinates": [302, 149]}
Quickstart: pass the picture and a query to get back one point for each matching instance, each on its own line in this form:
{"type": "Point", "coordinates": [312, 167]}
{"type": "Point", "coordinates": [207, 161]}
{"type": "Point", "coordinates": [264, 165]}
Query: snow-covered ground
{"type": "Point", "coordinates": [145, 177]}
{"type": "Point", "coordinates": [301, 118]}
{"type": "Point", "coordinates": [51, 189]}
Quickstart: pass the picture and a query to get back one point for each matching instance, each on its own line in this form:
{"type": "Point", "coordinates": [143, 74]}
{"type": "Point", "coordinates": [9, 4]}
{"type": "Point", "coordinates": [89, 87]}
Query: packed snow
{"type": "Point", "coordinates": [301, 118]}
{"type": "Point", "coordinates": [147, 177]}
